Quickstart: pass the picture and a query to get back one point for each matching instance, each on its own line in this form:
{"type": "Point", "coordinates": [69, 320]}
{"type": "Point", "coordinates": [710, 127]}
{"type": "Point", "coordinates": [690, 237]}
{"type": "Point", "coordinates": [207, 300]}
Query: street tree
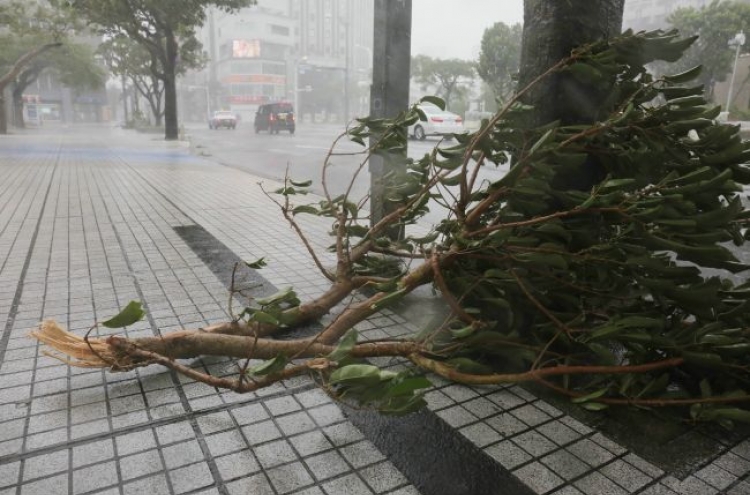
{"type": "Point", "coordinates": [715, 24]}
{"type": "Point", "coordinates": [128, 59]}
{"type": "Point", "coordinates": [499, 58]}
{"type": "Point", "coordinates": [446, 77]}
{"type": "Point", "coordinates": [73, 64]}
{"type": "Point", "coordinates": [28, 31]}
{"type": "Point", "coordinates": [161, 27]}
{"type": "Point", "coordinates": [596, 293]}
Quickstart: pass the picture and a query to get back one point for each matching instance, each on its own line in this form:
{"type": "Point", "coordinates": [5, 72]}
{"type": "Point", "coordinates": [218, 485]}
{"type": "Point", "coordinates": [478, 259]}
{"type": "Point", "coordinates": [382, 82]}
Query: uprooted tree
{"type": "Point", "coordinates": [596, 293]}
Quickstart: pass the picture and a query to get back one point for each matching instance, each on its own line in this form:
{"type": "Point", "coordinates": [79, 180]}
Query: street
{"type": "Point", "coordinates": [302, 154]}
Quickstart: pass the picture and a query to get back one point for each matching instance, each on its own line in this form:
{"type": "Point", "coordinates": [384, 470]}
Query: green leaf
{"type": "Point", "coordinates": [594, 406]}
{"type": "Point", "coordinates": [306, 183]}
{"type": "Point", "coordinates": [407, 385]}
{"type": "Point", "coordinates": [589, 397]}
{"type": "Point", "coordinates": [355, 373]}
{"type": "Point", "coordinates": [262, 317]}
{"type": "Point", "coordinates": [257, 265]}
{"type": "Point", "coordinates": [268, 367]}
{"type": "Point", "coordinates": [684, 77]}
{"type": "Point", "coordinates": [279, 297]}
{"type": "Point", "coordinates": [345, 346]}
{"type": "Point", "coordinates": [132, 313]}
{"type": "Point", "coordinates": [438, 102]}
{"type": "Point", "coordinates": [309, 209]}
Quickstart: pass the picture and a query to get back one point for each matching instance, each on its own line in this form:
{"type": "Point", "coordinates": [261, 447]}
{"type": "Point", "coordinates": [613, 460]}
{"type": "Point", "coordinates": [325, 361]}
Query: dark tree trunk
{"type": "Point", "coordinates": [3, 114]}
{"type": "Point", "coordinates": [551, 30]}
{"type": "Point", "coordinates": [171, 130]}
{"type": "Point", "coordinates": [18, 120]}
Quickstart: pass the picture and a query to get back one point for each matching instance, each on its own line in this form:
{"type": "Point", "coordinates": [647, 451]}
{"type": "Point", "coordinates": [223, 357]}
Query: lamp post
{"type": "Point", "coordinates": [737, 42]}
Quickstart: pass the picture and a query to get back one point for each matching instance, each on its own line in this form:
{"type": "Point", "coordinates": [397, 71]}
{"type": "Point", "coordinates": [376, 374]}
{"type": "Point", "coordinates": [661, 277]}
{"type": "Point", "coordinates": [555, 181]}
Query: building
{"type": "Point", "coordinates": [248, 57]}
{"type": "Point", "coordinates": [315, 53]}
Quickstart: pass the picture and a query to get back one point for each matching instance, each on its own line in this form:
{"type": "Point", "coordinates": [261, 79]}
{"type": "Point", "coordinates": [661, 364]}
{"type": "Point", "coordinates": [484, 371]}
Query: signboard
{"type": "Point", "coordinates": [254, 78]}
{"type": "Point", "coordinates": [245, 48]}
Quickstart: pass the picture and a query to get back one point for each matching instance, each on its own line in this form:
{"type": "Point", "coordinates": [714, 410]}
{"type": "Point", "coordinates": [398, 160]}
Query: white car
{"type": "Point", "coordinates": [438, 123]}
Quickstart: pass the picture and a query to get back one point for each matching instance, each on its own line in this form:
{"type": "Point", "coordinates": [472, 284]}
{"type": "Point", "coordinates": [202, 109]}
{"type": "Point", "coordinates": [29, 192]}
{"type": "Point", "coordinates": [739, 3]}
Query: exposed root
{"type": "Point", "coordinates": [72, 349]}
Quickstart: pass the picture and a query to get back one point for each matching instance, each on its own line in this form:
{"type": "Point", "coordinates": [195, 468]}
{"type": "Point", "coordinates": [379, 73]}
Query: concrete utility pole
{"type": "Point", "coordinates": [389, 94]}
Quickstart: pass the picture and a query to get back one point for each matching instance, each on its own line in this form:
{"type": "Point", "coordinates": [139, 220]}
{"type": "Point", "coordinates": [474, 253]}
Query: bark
{"type": "Point", "coordinates": [18, 120]}
{"type": "Point", "coordinates": [551, 30]}
{"type": "Point", "coordinates": [171, 128]}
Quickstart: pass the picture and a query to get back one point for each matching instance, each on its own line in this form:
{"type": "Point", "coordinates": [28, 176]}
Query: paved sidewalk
{"type": "Point", "coordinates": [92, 219]}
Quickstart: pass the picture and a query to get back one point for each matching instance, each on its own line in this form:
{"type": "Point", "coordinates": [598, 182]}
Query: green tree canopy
{"type": "Point", "coordinates": [28, 31]}
{"type": "Point", "coordinates": [445, 76]}
{"type": "Point", "coordinates": [162, 27]}
{"type": "Point", "coordinates": [715, 24]}
{"type": "Point", "coordinates": [499, 57]}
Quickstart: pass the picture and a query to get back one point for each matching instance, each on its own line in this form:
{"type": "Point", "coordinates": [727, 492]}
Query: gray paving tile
{"type": "Point", "coordinates": [480, 434]}
{"type": "Point", "coordinates": [534, 443]}
{"type": "Point", "coordinates": [140, 464]}
{"type": "Point", "coordinates": [174, 432]}
{"type": "Point", "coordinates": [596, 484]}
{"type": "Point", "coordinates": [508, 454]}
{"type": "Point", "coordinates": [45, 486]}
{"type": "Point", "coordinates": [238, 464]}
{"type": "Point", "coordinates": [212, 423]}
{"type": "Point", "coordinates": [327, 465]}
{"type": "Point", "coordinates": [456, 416]}
{"type": "Point", "coordinates": [257, 485]}
{"type": "Point", "coordinates": [689, 486]}
{"type": "Point", "coordinates": [92, 452]}
{"type": "Point", "coordinates": [326, 414]}
{"type": "Point", "coordinates": [589, 452]}
{"type": "Point", "coordinates": [506, 424]}
{"type": "Point", "coordinates": [135, 442]}
{"type": "Point", "coordinates": [716, 476]}
{"type": "Point", "coordinates": [361, 453]}
{"type": "Point", "coordinates": [153, 485]}
{"type": "Point", "coordinates": [565, 464]}
{"type": "Point", "coordinates": [192, 477]}
{"type": "Point", "coordinates": [539, 478]}
{"type": "Point", "coordinates": [625, 475]}
{"type": "Point", "coordinates": [289, 477]}
{"type": "Point", "coordinates": [45, 464]}
{"type": "Point", "coordinates": [350, 484]}
{"type": "Point", "coordinates": [183, 453]}
{"type": "Point", "coordinates": [310, 443]}
{"type": "Point", "coordinates": [225, 442]}
{"type": "Point", "coordinates": [261, 432]}
{"type": "Point", "coordinates": [9, 473]}
{"type": "Point", "coordinates": [274, 453]}
{"type": "Point", "coordinates": [94, 477]}
{"type": "Point", "coordinates": [383, 477]}
{"type": "Point", "coordinates": [294, 423]}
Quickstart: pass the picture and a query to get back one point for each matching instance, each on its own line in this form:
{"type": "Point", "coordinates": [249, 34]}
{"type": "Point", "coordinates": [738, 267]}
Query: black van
{"type": "Point", "coordinates": [275, 117]}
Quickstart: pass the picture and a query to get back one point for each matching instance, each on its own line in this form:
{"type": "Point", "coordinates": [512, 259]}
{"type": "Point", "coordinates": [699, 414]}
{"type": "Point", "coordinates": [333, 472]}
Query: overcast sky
{"type": "Point", "coordinates": [454, 28]}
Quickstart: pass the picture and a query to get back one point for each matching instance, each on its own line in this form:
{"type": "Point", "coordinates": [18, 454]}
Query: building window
{"type": "Point", "coordinates": [280, 30]}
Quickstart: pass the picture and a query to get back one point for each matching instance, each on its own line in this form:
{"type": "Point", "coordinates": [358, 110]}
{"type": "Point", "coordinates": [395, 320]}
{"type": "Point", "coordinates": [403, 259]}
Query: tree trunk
{"type": "Point", "coordinates": [171, 130]}
{"type": "Point", "coordinates": [8, 77]}
{"type": "Point", "coordinates": [18, 120]}
{"type": "Point", "coordinates": [551, 29]}
{"type": "Point", "coordinates": [3, 114]}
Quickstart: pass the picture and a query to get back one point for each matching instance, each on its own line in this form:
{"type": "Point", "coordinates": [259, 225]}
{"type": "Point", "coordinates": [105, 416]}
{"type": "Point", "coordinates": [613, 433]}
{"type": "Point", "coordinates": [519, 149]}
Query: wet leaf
{"type": "Point", "coordinates": [132, 313]}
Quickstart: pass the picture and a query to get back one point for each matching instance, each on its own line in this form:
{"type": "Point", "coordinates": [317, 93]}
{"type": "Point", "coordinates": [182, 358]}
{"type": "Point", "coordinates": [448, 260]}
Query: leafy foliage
{"type": "Point", "coordinates": [602, 276]}
{"type": "Point", "coordinates": [716, 23]}
{"type": "Point", "coordinates": [499, 57]}
{"type": "Point", "coordinates": [446, 76]}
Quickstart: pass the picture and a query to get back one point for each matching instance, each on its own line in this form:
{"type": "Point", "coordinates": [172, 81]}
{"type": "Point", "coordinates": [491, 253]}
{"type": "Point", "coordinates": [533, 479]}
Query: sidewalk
{"type": "Point", "coordinates": [94, 219]}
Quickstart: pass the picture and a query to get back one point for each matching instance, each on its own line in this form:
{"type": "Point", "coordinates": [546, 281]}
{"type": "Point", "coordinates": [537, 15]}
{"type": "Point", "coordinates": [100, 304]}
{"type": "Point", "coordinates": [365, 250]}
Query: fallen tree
{"type": "Point", "coordinates": [595, 292]}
